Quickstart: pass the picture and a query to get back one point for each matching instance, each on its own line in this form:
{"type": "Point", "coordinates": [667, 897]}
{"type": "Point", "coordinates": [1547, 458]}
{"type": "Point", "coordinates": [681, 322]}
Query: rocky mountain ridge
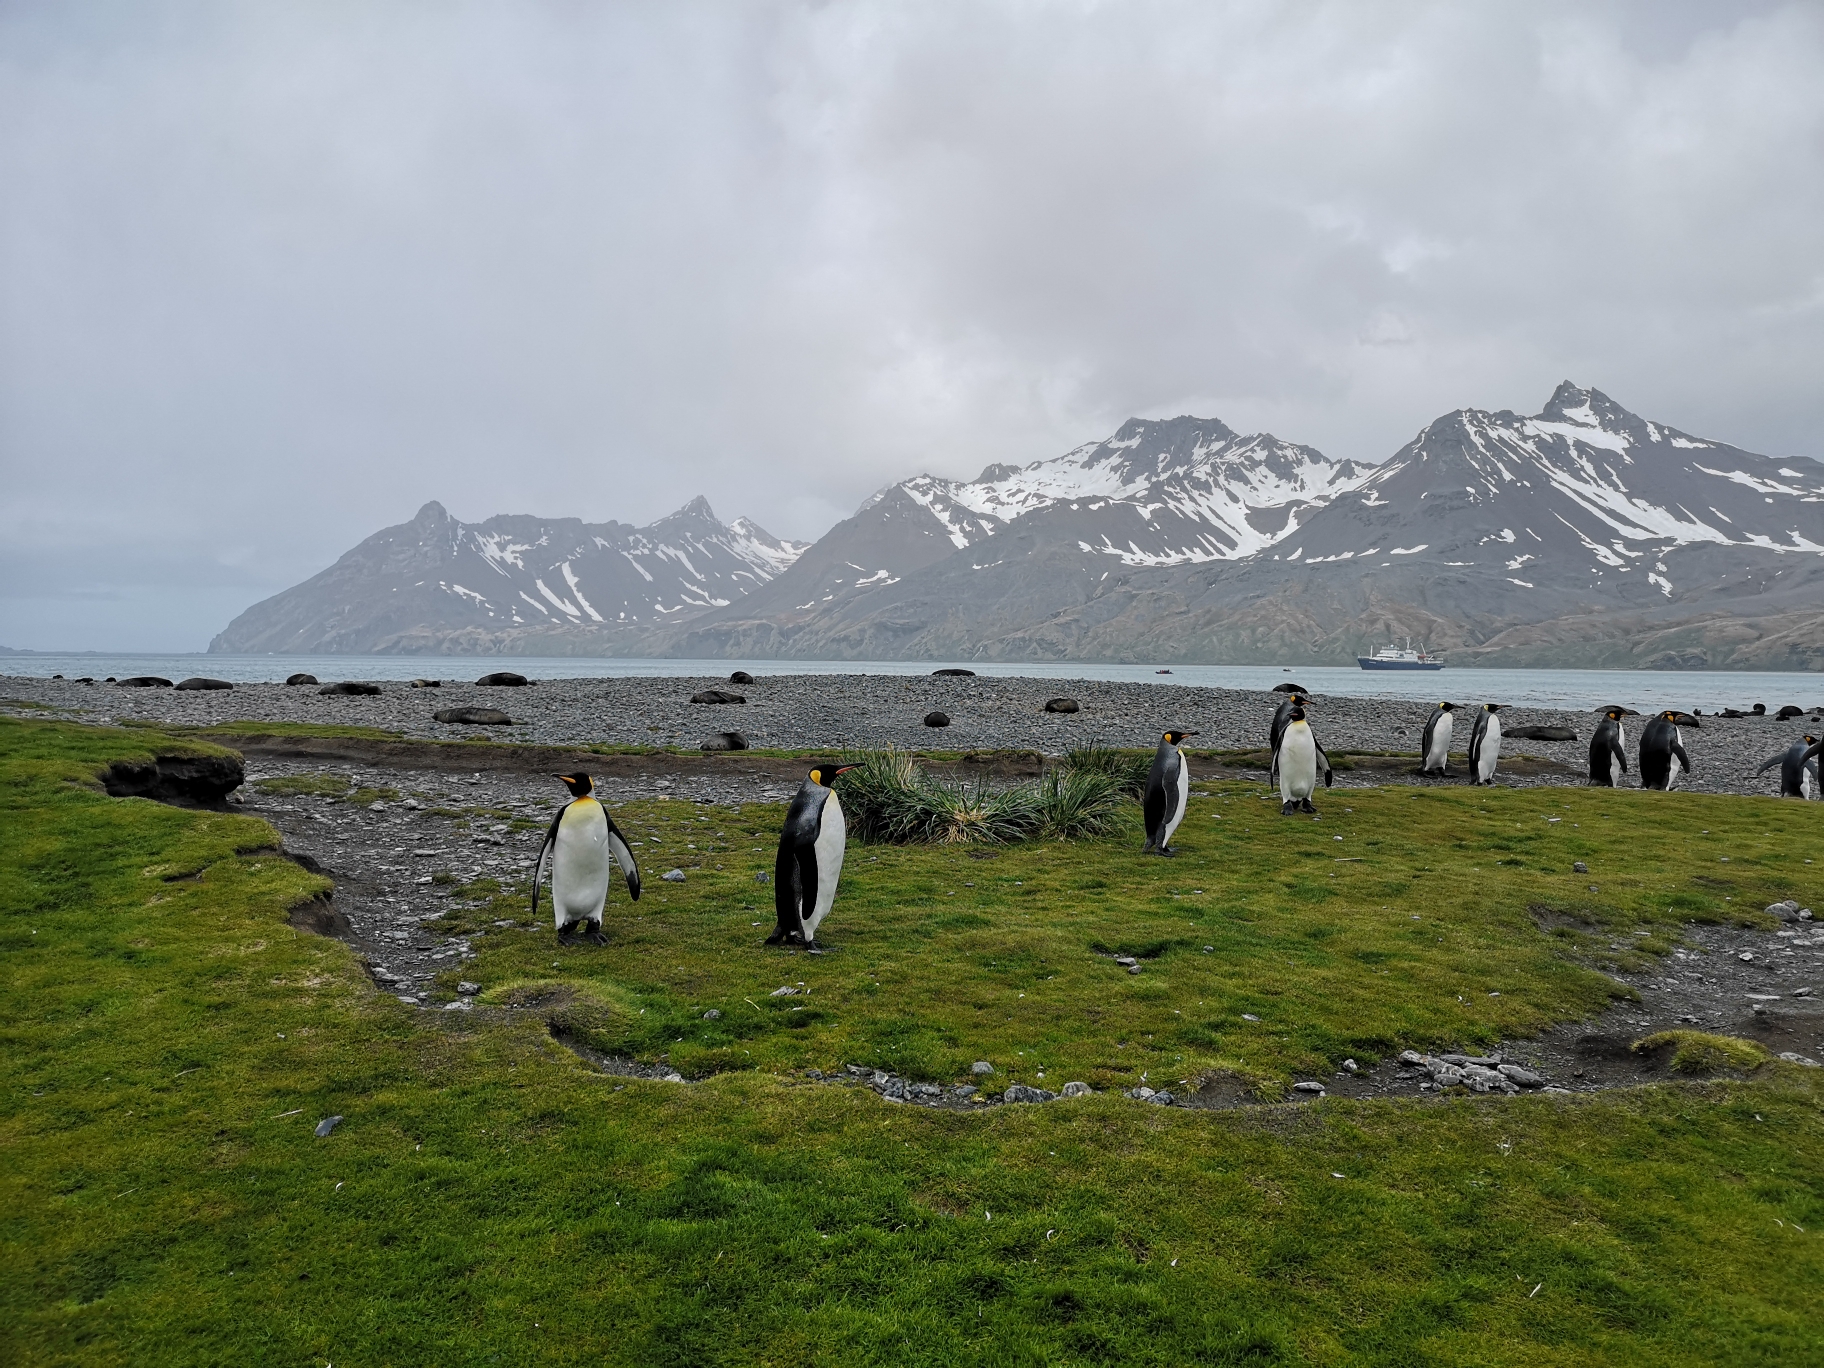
{"type": "Point", "coordinates": [1580, 535]}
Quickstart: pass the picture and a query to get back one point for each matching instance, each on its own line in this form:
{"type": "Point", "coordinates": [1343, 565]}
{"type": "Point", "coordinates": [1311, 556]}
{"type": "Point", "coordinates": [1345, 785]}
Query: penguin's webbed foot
{"type": "Point", "coordinates": [1288, 808]}
{"type": "Point", "coordinates": [595, 935]}
{"type": "Point", "coordinates": [1305, 805]}
{"type": "Point", "coordinates": [778, 936]}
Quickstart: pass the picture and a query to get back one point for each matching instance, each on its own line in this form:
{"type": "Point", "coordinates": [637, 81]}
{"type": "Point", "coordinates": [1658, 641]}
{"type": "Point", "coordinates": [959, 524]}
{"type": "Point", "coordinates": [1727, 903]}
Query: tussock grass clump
{"type": "Point", "coordinates": [1127, 768]}
{"type": "Point", "coordinates": [887, 798]}
{"type": "Point", "coordinates": [1699, 1052]}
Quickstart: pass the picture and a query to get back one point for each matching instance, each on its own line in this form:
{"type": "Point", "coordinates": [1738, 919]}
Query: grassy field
{"type": "Point", "coordinates": [170, 1042]}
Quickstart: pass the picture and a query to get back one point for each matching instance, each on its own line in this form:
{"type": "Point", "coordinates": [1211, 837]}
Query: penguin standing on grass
{"type": "Point", "coordinates": [1281, 716]}
{"type": "Point", "coordinates": [1798, 768]}
{"type": "Point", "coordinates": [1663, 761]}
{"type": "Point", "coordinates": [1168, 790]}
{"type": "Point", "coordinates": [584, 845]}
{"type": "Point", "coordinates": [1298, 762]}
{"type": "Point", "coordinates": [811, 847]}
{"type": "Point", "coordinates": [1485, 744]}
{"type": "Point", "coordinates": [1435, 745]}
{"type": "Point", "coordinates": [1608, 749]}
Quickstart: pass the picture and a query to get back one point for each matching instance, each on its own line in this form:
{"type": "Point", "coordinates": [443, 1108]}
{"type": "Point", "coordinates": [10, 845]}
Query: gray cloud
{"type": "Point", "coordinates": [271, 276]}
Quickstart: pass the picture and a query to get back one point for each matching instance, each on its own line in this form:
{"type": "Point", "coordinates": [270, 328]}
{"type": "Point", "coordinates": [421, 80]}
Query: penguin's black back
{"type": "Point", "coordinates": [1606, 743]}
{"type": "Point", "coordinates": [1161, 789]}
{"type": "Point", "coordinates": [795, 869]}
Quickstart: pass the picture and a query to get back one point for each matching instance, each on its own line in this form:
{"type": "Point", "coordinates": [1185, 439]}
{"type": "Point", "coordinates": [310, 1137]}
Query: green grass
{"type": "Point", "coordinates": [1698, 1052]}
{"type": "Point", "coordinates": [170, 1042]}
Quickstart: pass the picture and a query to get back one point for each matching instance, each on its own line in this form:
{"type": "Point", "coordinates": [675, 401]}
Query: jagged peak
{"type": "Point", "coordinates": [697, 510]}
{"type": "Point", "coordinates": [432, 512]}
{"type": "Point", "coordinates": [996, 471]}
{"type": "Point", "coordinates": [1589, 407]}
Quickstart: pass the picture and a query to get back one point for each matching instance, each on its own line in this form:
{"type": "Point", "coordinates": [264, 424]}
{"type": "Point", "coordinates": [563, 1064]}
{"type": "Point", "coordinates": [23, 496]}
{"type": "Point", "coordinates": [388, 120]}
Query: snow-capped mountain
{"type": "Point", "coordinates": [1583, 489]}
{"type": "Point", "coordinates": [1159, 493]}
{"type": "Point", "coordinates": [1582, 535]}
{"type": "Point", "coordinates": [442, 585]}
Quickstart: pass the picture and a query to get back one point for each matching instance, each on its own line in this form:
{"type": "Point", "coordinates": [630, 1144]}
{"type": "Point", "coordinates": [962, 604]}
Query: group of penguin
{"type": "Point", "coordinates": [583, 844]}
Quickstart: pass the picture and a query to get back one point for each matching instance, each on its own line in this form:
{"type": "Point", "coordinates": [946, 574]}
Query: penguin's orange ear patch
{"type": "Point", "coordinates": [816, 776]}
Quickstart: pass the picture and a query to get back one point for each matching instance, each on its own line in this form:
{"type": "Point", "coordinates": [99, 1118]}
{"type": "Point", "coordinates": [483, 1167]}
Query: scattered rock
{"type": "Point", "coordinates": [350, 687]}
{"type": "Point", "coordinates": [1793, 1057]}
{"type": "Point", "coordinates": [717, 696]}
{"type": "Point", "coordinates": [763, 877]}
{"type": "Point", "coordinates": [980, 1067]}
{"type": "Point", "coordinates": [1020, 1092]}
{"type": "Point", "coordinates": [725, 741]}
{"type": "Point", "coordinates": [715, 1014]}
{"type": "Point", "coordinates": [740, 677]}
{"type": "Point", "coordinates": [144, 682]}
{"type": "Point", "coordinates": [1133, 968]}
{"type": "Point", "coordinates": [468, 989]}
{"type": "Point", "coordinates": [673, 876]}
{"type": "Point", "coordinates": [198, 683]}
{"type": "Point", "coordinates": [1061, 705]}
{"type": "Point", "coordinates": [1526, 1078]}
{"type": "Point", "coordinates": [789, 991]}
{"type": "Point", "coordinates": [301, 679]}
{"type": "Point", "coordinates": [1785, 911]}
{"type": "Point", "coordinates": [1127, 961]}
{"type": "Point", "coordinates": [1350, 1066]}
{"type": "Point", "coordinates": [1077, 1090]}
{"type": "Point", "coordinates": [937, 719]}
{"type": "Point", "coordinates": [1249, 1016]}
{"type": "Point", "coordinates": [503, 679]}
{"type": "Point", "coordinates": [326, 1125]}
{"type": "Point", "coordinates": [474, 717]}
{"type": "Point", "coordinates": [1308, 1087]}
{"type": "Point", "coordinates": [955, 673]}
{"type": "Point", "coordinates": [1579, 867]}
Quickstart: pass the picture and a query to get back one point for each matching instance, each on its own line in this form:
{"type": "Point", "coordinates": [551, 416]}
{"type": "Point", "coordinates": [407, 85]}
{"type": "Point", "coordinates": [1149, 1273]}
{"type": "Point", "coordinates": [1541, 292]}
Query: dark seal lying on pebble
{"type": "Point", "coordinates": [740, 677]}
{"type": "Point", "coordinates": [475, 717]}
{"type": "Point", "coordinates": [717, 696]}
{"type": "Point", "coordinates": [955, 673]}
{"type": "Point", "coordinates": [1625, 712]}
{"type": "Point", "coordinates": [349, 686]}
{"type": "Point", "coordinates": [301, 679]}
{"type": "Point", "coordinates": [1061, 705]}
{"type": "Point", "coordinates": [144, 682]}
{"type": "Point", "coordinates": [503, 679]}
{"type": "Point", "coordinates": [1292, 688]}
{"type": "Point", "coordinates": [199, 682]}
{"type": "Point", "coordinates": [1540, 733]}
{"type": "Point", "coordinates": [726, 741]}
{"type": "Point", "coordinates": [937, 719]}
{"type": "Point", "coordinates": [427, 683]}
{"type": "Point", "coordinates": [1787, 713]}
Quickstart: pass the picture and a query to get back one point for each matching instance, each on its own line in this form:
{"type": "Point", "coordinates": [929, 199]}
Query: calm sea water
{"type": "Point", "coordinates": [1646, 690]}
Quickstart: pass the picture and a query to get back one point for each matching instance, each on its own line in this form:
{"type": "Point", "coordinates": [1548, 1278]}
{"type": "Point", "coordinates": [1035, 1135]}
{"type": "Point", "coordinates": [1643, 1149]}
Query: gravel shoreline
{"type": "Point", "coordinates": [837, 712]}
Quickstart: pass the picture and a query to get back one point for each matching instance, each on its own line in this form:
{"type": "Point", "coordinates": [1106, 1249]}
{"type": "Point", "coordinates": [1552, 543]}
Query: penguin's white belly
{"type": "Point", "coordinates": [1297, 765]}
{"type": "Point", "coordinates": [580, 864]}
{"type": "Point", "coordinates": [1184, 796]}
{"type": "Point", "coordinates": [832, 841]}
{"type": "Point", "coordinates": [1439, 754]}
{"type": "Point", "coordinates": [1806, 787]}
{"type": "Point", "coordinates": [1674, 770]}
{"type": "Point", "coordinates": [1613, 768]}
{"type": "Point", "coordinates": [1490, 752]}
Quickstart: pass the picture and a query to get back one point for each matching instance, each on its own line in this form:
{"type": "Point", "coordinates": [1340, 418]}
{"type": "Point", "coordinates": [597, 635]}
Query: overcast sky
{"type": "Point", "coordinates": [271, 276]}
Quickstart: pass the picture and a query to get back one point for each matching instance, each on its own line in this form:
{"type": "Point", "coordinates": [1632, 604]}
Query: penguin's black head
{"type": "Point", "coordinates": [1296, 697]}
{"type": "Point", "coordinates": [1493, 707]}
{"type": "Point", "coordinates": [1177, 738]}
{"type": "Point", "coordinates": [1613, 714]}
{"type": "Point", "coordinates": [579, 784]}
{"type": "Point", "coordinates": [1447, 707]}
{"type": "Point", "coordinates": [822, 773]}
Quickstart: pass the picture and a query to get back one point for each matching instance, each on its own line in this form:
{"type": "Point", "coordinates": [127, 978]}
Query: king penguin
{"type": "Point", "coordinates": [1298, 762]}
{"type": "Point", "coordinates": [1168, 789]}
{"type": "Point", "coordinates": [1435, 745]}
{"type": "Point", "coordinates": [1281, 716]}
{"type": "Point", "coordinates": [1608, 749]}
{"type": "Point", "coordinates": [1662, 753]}
{"type": "Point", "coordinates": [811, 846]}
{"type": "Point", "coordinates": [1485, 744]}
{"type": "Point", "coordinates": [1798, 768]}
{"type": "Point", "coordinates": [584, 845]}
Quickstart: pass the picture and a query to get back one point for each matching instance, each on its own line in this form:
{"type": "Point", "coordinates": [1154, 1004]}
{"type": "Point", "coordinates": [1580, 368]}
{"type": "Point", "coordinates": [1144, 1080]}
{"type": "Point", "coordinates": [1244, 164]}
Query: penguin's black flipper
{"type": "Point", "coordinates": [1323, 761]}
{"type": "Point", "coordinates": [1769, 763]}
{"type": "Point", "coordinates": [1678, 749]}
{"type": "Point", "coordinates": [538, 869]}
{"type": "Point", "coordinates": [623, 856]}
